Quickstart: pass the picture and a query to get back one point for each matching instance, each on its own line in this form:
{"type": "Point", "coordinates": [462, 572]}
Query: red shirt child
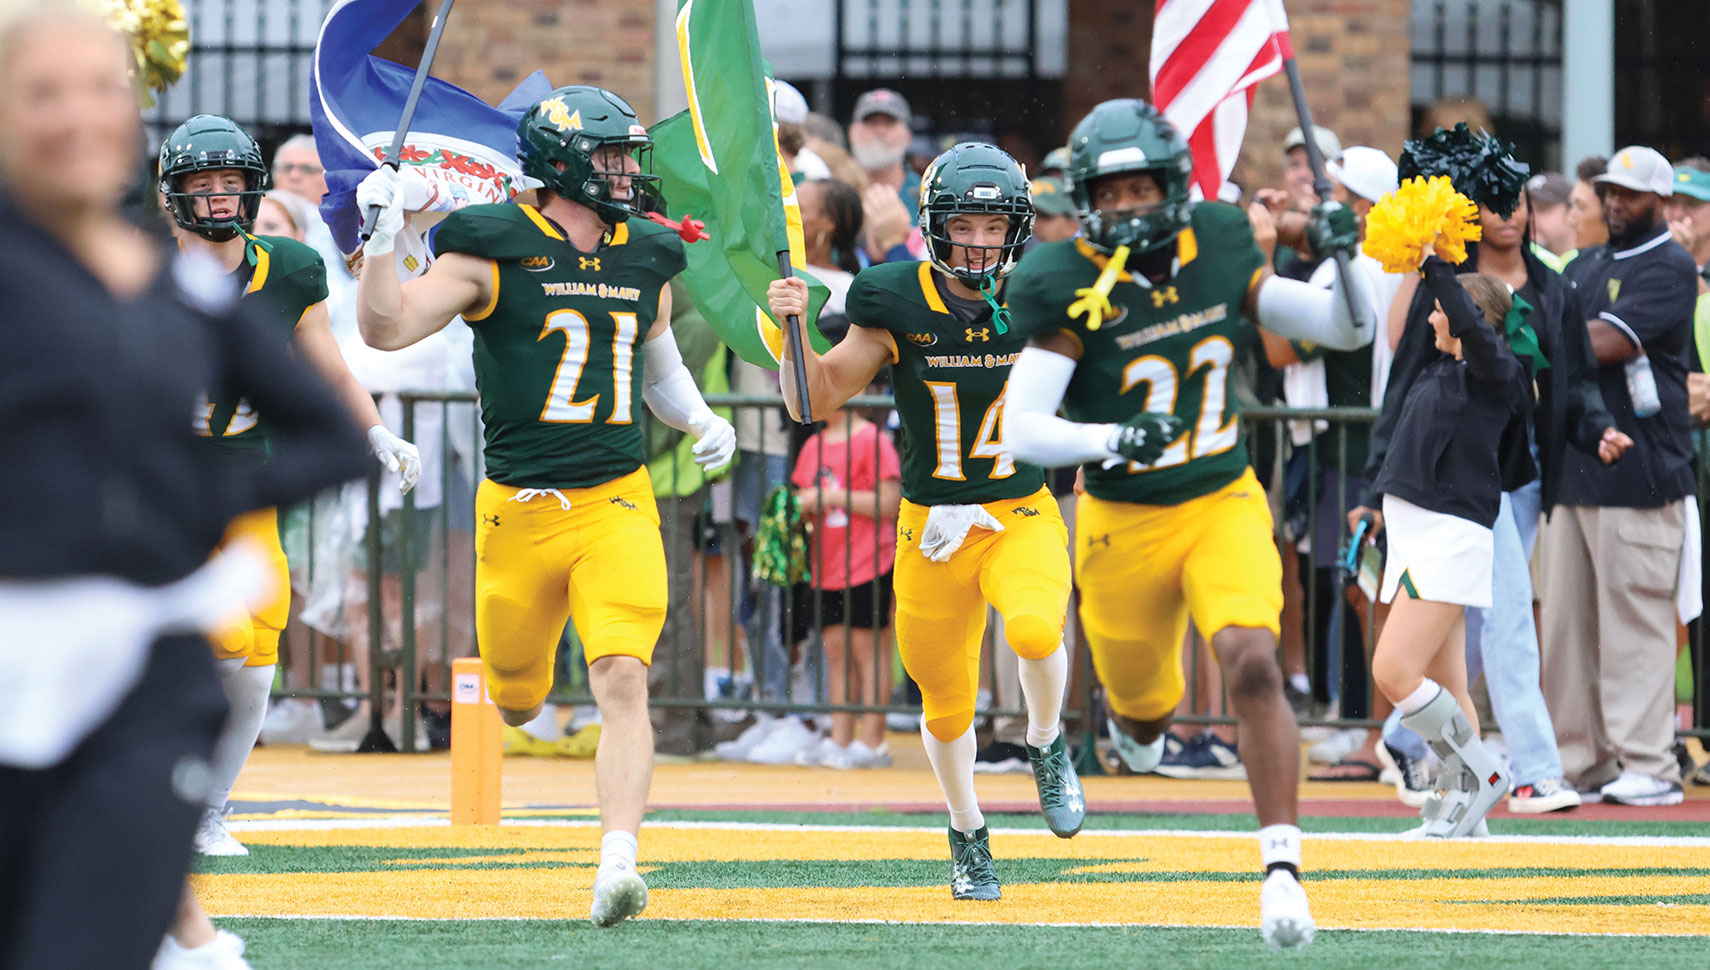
{"type": "Point", "coordinates": [849, 458]}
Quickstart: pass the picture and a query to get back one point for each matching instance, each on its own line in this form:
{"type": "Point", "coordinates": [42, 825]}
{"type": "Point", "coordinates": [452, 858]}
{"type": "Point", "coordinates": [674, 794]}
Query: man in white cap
{"type": "Point", "coordinates": [790, 110]}
{"type": "Point", "coordinates": [1298, 177]}
{"type": "Point", "coordinates": [1612, 555]}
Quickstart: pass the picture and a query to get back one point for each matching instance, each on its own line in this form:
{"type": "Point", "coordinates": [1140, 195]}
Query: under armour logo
{"type": "Point", "coordinates": [1166, 295]}
{"type": "Point", "coordinates": [622, 502]}
{"type": "Point", "coordinates": [1281, 843]}
{"type": "Point", "coordinates": [589, 262]}
{"type": "Point", "coordinates": [908, 535]}
{"type": "Point", "coordinates": [1026, 512]}
{"type": "Point", "coordinates": [492, 520]}
{"type": "Point", "coordinates": [1095, 540]}
{"type": "Point", "coordinates": [982, 334]}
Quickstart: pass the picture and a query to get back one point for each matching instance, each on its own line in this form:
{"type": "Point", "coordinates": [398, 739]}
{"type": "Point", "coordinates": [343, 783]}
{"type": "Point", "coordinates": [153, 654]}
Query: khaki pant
{"type": "Point", "coordinates": [1608, 638]}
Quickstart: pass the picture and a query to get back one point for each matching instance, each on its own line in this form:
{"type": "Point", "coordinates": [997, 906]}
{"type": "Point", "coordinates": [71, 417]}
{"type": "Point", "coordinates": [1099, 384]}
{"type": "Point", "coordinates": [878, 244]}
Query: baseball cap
{"type": "Point", "coordinates": [1640, 169]}
{"type": "Point", "coordinates": [882, 101]}
{"type": "Point", "coordinates": [1056, 158]}
{"type": "Point", "coordinates": [1549, 188]}
{"type": "Point", "coordinates": [1328, 144]}
{"type": "Point", "coordinates": [1051, 196]}
{"type": "Point", "coordinates": [1366, 172]}
{"type": "Point", "coordinates": [788, 105]}
{"type": "Point", "coordinates": [1692, 183]}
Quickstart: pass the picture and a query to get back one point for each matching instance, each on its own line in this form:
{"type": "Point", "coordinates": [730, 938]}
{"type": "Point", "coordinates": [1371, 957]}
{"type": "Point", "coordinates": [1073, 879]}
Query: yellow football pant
{"type": "Point", "coordinates": [1143, 570]}
{"type": "Point", "coordinates": [1022, 571]}
{"type": "Point", "coordinates": [538, 564]}
{"type": "Point", "coordinates": [255, 636]}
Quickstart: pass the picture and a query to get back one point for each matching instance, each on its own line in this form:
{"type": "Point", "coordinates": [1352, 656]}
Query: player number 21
{"type": "Point", "coordinates": [986, 444]}
{"type": "Point", "coordinates": [1210, 435]}
{"type": "Point", "coordinates": [561, 405]}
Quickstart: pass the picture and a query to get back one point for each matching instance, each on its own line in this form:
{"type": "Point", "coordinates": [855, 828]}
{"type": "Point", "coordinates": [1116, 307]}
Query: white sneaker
{"type": "Point", "coordinates": [213, 838]}
{"type": "Point", "coordinates": [1285, 919]}
{"type": "Point", "coordinates": [292, 720]}
{"type": "Point", "coordinates": [1633, 788]}
{"type": "Point", "coordinates": [618, 895]}
{"type": "Point", "coordinates": [780, 746]}
{"type": "Point", "coordinates": [858, 755]}
{"type": "Point", "coordinates": [345, 738]}
{"type": "Point", "coordinates": [815, 755]}
{"type": "Point", "coordinates": [737, 748]}
{"type": "Point", "coordinates": [224, 952]}
{"type": "Point", "coordinates": [1337, 746]}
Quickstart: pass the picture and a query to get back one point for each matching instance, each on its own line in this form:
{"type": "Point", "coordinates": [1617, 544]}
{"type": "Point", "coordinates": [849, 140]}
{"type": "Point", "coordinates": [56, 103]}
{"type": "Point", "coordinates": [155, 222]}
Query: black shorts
{"type": "Point", "coordinates": [867, 606]}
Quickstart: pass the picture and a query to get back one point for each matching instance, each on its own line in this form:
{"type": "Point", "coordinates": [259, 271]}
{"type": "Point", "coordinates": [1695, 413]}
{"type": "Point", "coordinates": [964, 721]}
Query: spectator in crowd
{"type": "Point", "coordinates": [1688, 210]}
{"type": "Point", "coordinates": [1056, 163]}
{"type": "Point", "coordinates": [879, 137]}
{"type": "Point", "coordinates": [285, 214]}
{"type": "Point", "coordinates": [1550, 193]}
{"type": "Point", "coordinates": [297, 169]}
{"type": "Point", "coordinates": [1297, 176]}
{"type": "Point", "coordinates": [791, 111]}
{"type": "Point", "coordinates": [1585, 207]}
{"type": "Point", "coordinates": [819, 130]}
{"type": "Point", "coordinates": [844, 168]}
{"type": "Point", "coordinates": [848, 479]}
{"type": "Point", "coordinates": [1055, 217]}
{"type": "Point", "coordinates": [1611, 554]}
{"type": "Point", "coordinates": [1360, 177]}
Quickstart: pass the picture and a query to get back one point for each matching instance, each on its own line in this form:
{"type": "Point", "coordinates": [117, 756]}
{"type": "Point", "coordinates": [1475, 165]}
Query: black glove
{"type": "Point", "coordinates": [1144, 437]}
{"type": "Point", "coordinates": [1330, 227]}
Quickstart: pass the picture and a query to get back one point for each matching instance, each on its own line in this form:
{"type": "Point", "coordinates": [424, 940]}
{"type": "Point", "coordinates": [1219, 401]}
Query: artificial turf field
{"type": "Point", "coordinates": [353, 864]}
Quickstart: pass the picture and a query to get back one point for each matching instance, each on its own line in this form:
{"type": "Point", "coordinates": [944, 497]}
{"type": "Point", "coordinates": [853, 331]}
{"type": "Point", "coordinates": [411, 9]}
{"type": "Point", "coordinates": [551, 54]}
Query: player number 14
{"type": "Point", "coordinates": [947, 411]}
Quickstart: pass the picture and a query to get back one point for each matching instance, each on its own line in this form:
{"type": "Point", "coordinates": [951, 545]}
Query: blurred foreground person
{"type": "Point", "coordinates": [110, 508]}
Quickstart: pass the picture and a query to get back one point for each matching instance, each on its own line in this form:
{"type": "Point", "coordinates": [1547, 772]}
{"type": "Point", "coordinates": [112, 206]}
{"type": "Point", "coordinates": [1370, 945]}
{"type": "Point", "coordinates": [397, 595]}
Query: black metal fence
{"type": "Point", "coordinates": [747, 626]}
{"type": "Point", "coordinates": [1507, 54]}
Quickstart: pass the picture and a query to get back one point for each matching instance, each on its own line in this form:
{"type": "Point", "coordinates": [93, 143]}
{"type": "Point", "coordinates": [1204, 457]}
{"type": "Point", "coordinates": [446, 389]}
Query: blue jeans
{"type": "Point", "coordinates": [1502, 643]}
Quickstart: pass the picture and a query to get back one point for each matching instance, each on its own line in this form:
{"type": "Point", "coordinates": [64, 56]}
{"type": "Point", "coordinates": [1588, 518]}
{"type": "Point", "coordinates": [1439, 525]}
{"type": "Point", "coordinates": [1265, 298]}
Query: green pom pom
{"type": "Point", "coordinates": [781, 540]}
{"type": "Point", "coordinates": [1482, 167]}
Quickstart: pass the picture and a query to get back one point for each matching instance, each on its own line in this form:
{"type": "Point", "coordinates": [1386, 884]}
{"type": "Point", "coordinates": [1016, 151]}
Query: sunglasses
{"type": "Point", "coordinates": [288, 168]}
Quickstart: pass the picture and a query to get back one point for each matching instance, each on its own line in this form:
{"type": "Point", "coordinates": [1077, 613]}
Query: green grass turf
{"type": "Point", "coordinates": [548, 945]}
{"type": "Point", "coordinates": [1562, 824]}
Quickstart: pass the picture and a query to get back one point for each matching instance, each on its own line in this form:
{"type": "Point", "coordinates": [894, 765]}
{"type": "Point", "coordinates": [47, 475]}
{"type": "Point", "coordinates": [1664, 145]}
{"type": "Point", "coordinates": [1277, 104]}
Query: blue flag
{"type": "Point", "coordinates": [356, 101]}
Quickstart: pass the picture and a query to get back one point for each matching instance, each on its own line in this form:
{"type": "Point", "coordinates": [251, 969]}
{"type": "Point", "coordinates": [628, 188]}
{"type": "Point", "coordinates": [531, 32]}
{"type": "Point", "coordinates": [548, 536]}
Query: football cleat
{"type": "Point", "coordinates": [619, 894]}
{"type": "Point", "coordinates": [213, 838]}
{"type": "Point", "coordinates": [972, 875]}
{"type": "Point", "coordinates": [1060, 796]}
{"type": "Point", "coordinates": [1285, 918]}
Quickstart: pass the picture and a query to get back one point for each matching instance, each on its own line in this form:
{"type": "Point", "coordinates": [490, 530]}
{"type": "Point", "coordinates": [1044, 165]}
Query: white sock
{"type": "Point", "coordinates": [1279, 845]}
{"type": "Point", "coordinates": [1300, 683]}
{"type": "Point", "coordinates": [1042, 683]}
{"type": "Point", "coordinates": [617, 852]}
{"type": "Point", "coordinates": [544, 727]}
{"type": "Point", "coordinates": [953, 763]}
{"type": "Point", "coordinates": [1416, 701]}
{"type": "Point", "coordinates": [709, 686]}
{"type": "Point", "coordinates": [246, 692]}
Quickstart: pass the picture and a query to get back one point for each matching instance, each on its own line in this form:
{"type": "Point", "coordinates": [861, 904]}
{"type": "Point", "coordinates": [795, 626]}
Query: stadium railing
{"type": "Point", "coordinates": [1297, 454]}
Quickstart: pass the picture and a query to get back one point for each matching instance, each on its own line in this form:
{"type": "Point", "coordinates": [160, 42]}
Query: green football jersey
{"type": "Point", "coordinates": [285, 278]}
{"type": "Point", "coordinates": [557, 361]}
{"type": "Point", "coordinates": [1166, 348]}
{"type": "Point", "coordinates": [949, 378]}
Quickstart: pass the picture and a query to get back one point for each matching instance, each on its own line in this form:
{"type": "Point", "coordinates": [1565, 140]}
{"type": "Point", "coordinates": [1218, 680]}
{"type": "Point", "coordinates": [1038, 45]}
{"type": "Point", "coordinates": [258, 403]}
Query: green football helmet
{"type": "Point", "coordinates": [974, 178]}
{"type": "Point", "coordinates": [209, 143]}
{"type": "Point", "coordinates": [1122, 136]}
{"type": "Point", "coordinates": [567, 128]}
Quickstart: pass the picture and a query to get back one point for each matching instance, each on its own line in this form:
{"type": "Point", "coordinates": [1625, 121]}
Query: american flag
{"type": "Point", "coordinates": [1207, 58]}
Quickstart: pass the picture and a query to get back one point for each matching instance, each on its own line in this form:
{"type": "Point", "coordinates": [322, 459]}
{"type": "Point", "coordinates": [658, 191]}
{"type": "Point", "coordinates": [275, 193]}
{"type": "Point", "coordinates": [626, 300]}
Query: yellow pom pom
{"type": "Point", "coordinates": [1420, 217]}
{"type": "Point", "coordinates": [160, 40]}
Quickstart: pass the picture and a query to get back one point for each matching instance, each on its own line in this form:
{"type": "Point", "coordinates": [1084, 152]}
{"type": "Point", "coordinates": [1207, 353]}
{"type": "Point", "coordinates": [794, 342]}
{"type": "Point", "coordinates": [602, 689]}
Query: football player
{"type": "Point", "coordinates": [1132, 332]}
{"type": "Point", "coordinates": [975, 527]}
{"type": "Point", "coordinates": [212, 179]}
{"type": "Point", "coordinates": [571, 313]}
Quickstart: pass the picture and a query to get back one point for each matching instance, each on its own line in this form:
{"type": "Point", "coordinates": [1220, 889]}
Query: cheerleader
{"type": "Point", "coordinates": [1464, 422]}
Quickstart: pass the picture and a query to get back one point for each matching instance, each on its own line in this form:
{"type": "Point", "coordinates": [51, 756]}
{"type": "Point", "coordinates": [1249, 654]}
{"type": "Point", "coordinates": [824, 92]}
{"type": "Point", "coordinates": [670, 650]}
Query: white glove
{"type": "Point", "coordinates": [948, 525]}
{"type": "Point", "coordinates": [382, 187]}
{"type": "Point", "coordinates": [715, 443]}
{"type": "Point", "coordinates": [396, 455]}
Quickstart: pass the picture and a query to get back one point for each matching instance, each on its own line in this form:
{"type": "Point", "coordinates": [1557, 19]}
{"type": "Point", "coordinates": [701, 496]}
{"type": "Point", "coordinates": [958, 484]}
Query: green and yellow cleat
{"type": "Point", "coordinates": [972, 875]}
{"type": "Point", "coordinates": [1060, 796]}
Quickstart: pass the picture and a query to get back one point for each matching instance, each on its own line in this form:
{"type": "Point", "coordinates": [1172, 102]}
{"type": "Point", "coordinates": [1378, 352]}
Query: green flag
{"type": "Point", "coordinates": [719, 162]}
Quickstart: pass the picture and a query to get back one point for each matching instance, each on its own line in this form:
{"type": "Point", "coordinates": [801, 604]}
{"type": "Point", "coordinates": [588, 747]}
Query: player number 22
{"type": "Point", "coordinates": [986, 444]}
{"type": "Point", "coordinates": [1210, 435]}
{"type": "Point", "coordinates": [561, 404]}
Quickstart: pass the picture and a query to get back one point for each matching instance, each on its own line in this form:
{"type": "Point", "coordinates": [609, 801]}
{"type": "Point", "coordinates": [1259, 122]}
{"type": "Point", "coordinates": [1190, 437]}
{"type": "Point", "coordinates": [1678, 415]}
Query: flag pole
{"type": "Point", "coordinates": [409, 115]}
{"type": "Point", "coordinates": [1362, 316]}
{"type": "Point", "coordinates": [793, 334]}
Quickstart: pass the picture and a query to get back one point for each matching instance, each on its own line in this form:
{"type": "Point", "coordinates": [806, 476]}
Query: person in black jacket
{"type": "Point", "coordinates": [1461, 432]}
{"type": "Point", "coordinates": [110, 509]}
{"type": "Point", "coordinates": [1568, 411]}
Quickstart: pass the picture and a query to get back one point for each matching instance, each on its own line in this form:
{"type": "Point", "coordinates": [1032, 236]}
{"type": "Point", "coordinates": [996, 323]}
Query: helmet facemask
{"type": "Point", "coordinates": [583, 181]}
{"type": "Point", "coordinates": [1144, 228]}
{"type": "Point", "coordinates": [981, 200]}
{"type": "Point", "coordinates": [182, 204]}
